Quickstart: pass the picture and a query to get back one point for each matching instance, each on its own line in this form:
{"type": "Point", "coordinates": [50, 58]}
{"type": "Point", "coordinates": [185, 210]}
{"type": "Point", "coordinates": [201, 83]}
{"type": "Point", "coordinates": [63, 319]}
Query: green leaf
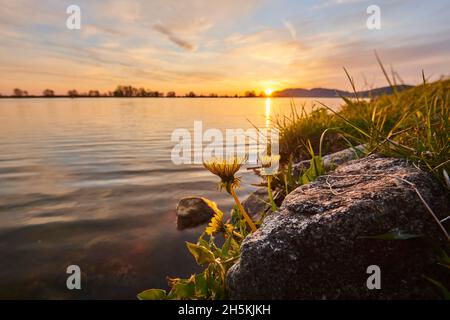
{"type": "Point", "coordinates": [183, 288]}
{"type": "Point", "coordinates": [315, 169]}
{"type": "Point", "coordinates": [216, 251]}
{"type": "Point", "coordinates": [444, 290]}
{"type": "Point", "coordinates": [202, 241]}
{"type": "Point", "coordinates": [201, 285]}
{"type": "Point", "coordinates": [226, 247]}
{"type": "Point", "coordinates": [215, 283]}
{"type": "Point", "coordinates": [152, 294]}
{"type": "Point", "coordinates": [393, 235]}
{"type": "Point", "coordinates": [201, 254]}
{"type": "Point", "coordinates": [445, 258]}
{"type": "Point", "coordinates": [446, 178]}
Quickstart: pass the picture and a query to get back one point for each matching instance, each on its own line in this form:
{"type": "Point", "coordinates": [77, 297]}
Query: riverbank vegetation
{"type": "Point", "coordinates": [413, 124]}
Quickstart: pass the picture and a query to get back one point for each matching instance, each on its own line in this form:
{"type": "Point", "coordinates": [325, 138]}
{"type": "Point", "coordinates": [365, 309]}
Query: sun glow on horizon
{"type": "Point", "coordinates": [268, 91]}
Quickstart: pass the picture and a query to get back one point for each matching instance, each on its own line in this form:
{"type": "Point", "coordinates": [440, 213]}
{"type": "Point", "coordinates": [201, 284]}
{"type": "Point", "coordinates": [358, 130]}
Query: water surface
{"type": "Point", "coordinates": [90, 182]}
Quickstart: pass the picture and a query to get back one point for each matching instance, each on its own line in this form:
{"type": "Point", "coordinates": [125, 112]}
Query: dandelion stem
{"type": "Point", "coordinates": [241, 208]}
{"type": "Point", "coordinates": [238, 235]}
{"type": "Point", "coordinates": [269, 191]}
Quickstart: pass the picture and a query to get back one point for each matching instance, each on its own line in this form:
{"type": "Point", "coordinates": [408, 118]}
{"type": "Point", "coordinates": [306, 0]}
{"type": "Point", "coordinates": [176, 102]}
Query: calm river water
{"type": "Point", "coordinates": [90, 182]}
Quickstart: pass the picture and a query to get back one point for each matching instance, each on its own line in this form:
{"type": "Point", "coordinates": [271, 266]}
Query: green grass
{"type": "Point", "coordinates": [413, 124]}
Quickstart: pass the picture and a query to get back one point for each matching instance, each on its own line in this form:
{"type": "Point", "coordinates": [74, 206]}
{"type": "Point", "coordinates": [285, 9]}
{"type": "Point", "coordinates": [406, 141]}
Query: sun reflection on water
{"type": "Point", "coordinates": [268, 110]}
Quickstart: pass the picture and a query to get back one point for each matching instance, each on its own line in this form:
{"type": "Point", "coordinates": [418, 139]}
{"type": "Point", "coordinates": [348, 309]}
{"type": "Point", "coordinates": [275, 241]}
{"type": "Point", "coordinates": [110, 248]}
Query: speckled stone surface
{"type": "Point", "coordinates": [312, 248]}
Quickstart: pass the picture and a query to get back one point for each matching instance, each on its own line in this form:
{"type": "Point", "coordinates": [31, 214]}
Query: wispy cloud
{"type": "Point", "coordinates": [290, 27]}
{"type": "Point", "coordinates": [174, 38]}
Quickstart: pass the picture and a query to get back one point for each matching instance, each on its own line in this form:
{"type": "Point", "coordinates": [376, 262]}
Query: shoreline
{"type": "Point", "coordinates": [180, 97]}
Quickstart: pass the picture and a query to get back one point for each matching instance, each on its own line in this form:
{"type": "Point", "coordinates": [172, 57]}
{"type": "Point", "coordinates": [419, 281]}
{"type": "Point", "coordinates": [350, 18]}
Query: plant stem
{"type": "Point", "coordinates": [269, 191]}
{"type": "Point", "coordinates": [241, 208]}
{"type": "Point", "coordinates": [286, 185]}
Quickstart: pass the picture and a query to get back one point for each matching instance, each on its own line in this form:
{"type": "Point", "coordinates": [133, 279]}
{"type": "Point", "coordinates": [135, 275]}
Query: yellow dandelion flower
{"type": "Point", "coordinates": [226, 169]}
{"type": "Point", "coordinates": [216, 224]}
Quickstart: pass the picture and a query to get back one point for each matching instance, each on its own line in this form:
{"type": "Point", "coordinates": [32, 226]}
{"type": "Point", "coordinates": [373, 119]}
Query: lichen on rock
{"type": "Point", "coordinates": [315, 246]}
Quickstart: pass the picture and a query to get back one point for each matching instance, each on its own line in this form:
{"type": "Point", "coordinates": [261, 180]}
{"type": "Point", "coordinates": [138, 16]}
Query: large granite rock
{"type": "Point", "coordinates": [192, 212]}
{"type": "Point", "coordinates": [314, 247]}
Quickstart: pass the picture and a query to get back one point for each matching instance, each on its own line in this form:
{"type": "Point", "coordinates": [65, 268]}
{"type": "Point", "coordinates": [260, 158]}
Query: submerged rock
{"type": "Point", "coordinates": [192, 212]}
{"type": "Point", "coordinates": [257, 203]}
{"type": "Point", "coordinates": [314, 247]}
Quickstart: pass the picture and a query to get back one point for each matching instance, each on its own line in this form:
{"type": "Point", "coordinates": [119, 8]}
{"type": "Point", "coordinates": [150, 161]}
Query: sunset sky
{"type": "Point", "coordinates": [226, 46]}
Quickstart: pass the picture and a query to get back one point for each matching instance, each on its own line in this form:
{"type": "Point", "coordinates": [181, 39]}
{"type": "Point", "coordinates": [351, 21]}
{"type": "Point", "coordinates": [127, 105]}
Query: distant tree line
{"type": "Point", "coordinates": [124, 91]}
{"type": "Point", "coordinates": [20, 93]}
{"type": "Point", "coordinates": [130, 91]}
{"type": "Point", "coordinates": [253, 94]}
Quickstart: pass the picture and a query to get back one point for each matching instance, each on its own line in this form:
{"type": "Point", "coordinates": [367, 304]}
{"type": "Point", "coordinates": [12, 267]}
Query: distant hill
{"type": "Point", "coordinates": [333, 93]}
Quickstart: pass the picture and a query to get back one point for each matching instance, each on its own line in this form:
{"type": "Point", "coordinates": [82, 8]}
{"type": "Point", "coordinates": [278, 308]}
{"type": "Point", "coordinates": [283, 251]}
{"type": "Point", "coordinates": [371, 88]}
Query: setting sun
{"type": "Point", "coordinates": [268, 91]}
